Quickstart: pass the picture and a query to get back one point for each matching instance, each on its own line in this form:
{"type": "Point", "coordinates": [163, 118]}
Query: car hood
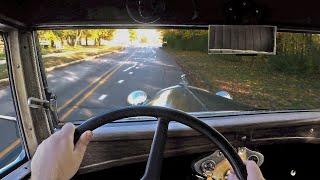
{"type": "Point", "coordinates": [192, 99]}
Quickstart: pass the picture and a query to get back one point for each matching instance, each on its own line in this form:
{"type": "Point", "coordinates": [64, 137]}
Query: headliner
{"type": "Point", "coordinates": [286, 14]}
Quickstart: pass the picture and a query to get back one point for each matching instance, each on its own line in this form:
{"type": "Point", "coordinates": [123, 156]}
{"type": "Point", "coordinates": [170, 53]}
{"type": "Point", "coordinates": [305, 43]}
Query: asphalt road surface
{"type": "Point", "coordinates": [93, 87]}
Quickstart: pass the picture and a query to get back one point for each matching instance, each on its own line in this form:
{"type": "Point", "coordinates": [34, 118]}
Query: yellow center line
{"type": "Point", "coordinates": [83, 90]}
{"type": "Point", "coordinates": [88, 94]}
{"type": "Point", "coordinates": [9, 148]}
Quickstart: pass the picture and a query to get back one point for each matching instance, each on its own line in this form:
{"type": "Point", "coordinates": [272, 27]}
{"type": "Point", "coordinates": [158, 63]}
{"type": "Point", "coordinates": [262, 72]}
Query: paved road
{"type": "Point", "coordinates": [92, 87]}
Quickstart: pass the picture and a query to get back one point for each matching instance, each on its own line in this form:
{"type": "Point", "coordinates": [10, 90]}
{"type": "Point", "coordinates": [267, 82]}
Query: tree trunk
{"type": "Point", "coordinates": [72, 43]}
{"type": "Point", "coordinates": [78, 36]}
{"type": "Point", "coordinates": [62, 43]}
{"type": "Point", "coordinates": [69, 41]}
{"type": "Point", "coordinates": [52, 43]}
{"type": "Point", "coordinates": [86, 41]}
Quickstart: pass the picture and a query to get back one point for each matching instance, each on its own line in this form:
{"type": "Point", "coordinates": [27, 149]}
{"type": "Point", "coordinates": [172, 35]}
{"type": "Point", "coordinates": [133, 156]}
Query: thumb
{"type": "Point", "coordinates": [81, 145]}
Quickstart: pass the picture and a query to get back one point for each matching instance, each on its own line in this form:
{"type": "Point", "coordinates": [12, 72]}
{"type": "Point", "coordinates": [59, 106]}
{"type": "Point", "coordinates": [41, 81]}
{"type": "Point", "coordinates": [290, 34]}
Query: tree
{"type": "Point", "coordinates": [87, 34]}
{"type": "Point", "coordinates": [72, 36]}
{"type": "Point", "coordinates": [133, 36]}
{"type": "Point", "coordinates": [48, 35]}
{"type": "Point", "coordinates": [78, 36]}
{"type": "Point", "coordinates": [98, 34]}
{"type": "Point", "coordinates": [106, 34]}
{"type": "Point", "coordinates": [60, 34]}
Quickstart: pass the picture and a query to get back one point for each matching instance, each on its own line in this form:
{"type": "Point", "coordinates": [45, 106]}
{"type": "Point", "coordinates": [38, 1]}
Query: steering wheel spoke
{"type": "Point", "coordinates": [154, 164]}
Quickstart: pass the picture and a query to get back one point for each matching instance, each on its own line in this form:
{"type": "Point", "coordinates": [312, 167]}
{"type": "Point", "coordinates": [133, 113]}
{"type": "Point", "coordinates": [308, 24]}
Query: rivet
{"type": "Point", "coordinates": [311, 130]}
{"type": "Point", "coordinates": [18, 65]}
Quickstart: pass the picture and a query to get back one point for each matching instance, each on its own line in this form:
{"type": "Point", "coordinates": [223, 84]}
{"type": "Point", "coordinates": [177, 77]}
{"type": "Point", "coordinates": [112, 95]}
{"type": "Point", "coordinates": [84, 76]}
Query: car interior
{"type": "Point", "coordinates": [193, 135]}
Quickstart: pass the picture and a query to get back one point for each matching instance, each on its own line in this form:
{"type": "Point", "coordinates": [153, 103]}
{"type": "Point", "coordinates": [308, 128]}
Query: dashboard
{"type": "Point", "coordinates": [128, 141]}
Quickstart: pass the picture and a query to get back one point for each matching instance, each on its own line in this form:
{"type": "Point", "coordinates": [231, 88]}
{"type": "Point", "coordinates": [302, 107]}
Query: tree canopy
{"type": "Point", "coordinates": [133, 35]}
{"type": "Point", "coordinates": [73, 37]}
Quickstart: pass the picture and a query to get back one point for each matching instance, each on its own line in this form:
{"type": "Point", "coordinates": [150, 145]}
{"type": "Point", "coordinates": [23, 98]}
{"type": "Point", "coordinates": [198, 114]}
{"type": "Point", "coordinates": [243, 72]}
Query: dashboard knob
{"type": "Point", "coordinates": [293, 172]}
{"type": "Point", "coordinates": [254, 158]}
{"type": "Point", "coordinates": [208, 165]}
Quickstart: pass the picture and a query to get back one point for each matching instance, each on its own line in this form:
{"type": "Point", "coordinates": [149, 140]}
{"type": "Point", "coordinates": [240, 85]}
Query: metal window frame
{"type": "Point", "coordinates": [26, 80]}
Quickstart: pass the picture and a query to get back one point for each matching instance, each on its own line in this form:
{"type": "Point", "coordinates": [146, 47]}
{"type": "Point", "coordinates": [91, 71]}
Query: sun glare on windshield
{"type": "Point", "coordinates": [137, 37]}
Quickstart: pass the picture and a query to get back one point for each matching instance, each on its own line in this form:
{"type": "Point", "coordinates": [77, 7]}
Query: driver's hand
{"type": "Point", "coordinates": [57, 157]}
{"type": "Point", "coordinates": [253, 171]}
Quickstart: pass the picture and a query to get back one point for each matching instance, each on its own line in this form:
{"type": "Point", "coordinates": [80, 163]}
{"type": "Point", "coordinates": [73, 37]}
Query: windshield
{"type": "Point", "coordinates": [95, 70]}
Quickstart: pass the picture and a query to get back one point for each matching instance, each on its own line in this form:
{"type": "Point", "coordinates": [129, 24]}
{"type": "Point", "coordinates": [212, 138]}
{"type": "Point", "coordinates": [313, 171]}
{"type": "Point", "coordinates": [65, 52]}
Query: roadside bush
{"type": "Point", "coordinates": [2, 56]}
{"type": "Point", "coordinates": [295, 64]}
{"type": "Point", "coordinates": [297, 53]}
{"type": "Point", "coordinates": [192, 40]}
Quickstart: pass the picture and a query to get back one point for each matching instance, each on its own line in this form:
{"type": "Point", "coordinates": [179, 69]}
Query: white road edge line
{"type": "Point", "coordinates": [120, 81]}
{"type": "Point", "coordinates": [102, 97]}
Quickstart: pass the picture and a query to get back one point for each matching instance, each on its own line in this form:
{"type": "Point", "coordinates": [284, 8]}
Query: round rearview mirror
{"type": "Point", "coordinates": [224, 94]}
{"type": "Point", "coordinates": [137, 98]}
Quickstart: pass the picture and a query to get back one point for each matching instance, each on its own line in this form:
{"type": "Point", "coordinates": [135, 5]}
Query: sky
{"type": "Point", "coordinates": [152, 36]}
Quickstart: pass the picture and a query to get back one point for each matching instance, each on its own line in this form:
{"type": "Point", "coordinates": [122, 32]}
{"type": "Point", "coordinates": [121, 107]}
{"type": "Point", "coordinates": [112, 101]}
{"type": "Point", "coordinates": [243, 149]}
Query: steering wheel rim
{"type": "Point", "coordinates": [165, 115]}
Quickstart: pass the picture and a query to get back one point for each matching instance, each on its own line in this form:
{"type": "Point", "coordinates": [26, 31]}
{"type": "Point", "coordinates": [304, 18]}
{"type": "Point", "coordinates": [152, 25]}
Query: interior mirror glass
{"type": "Point", "coordinates": [242, 39]}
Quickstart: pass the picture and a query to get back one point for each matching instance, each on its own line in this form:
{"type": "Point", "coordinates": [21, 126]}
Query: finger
{"type": "Point", "coordinates": [81, 146]}
{"type": "Point", "coordinates": [251, 164]}
{"type": "Point", "coordinates": [253, 170]}
{"type": "Point", "coordinates": [68, 130]}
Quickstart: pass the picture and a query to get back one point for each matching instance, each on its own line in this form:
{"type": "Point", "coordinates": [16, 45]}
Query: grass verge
{"type": "Point", "coordinates": [73, 54]}
{"type": "Point", "coordinates": [2, 56]}
{"type": "Point", "coordinates": [3, 75]}
{"type": "Point", "coordinates": [3, 71]}
{"type": "Point", "coordinates": [54, 57]}
{"type": "Point", "coordinates": [250, 82]}
{"type": "Point", "coordinates": [59, 57]}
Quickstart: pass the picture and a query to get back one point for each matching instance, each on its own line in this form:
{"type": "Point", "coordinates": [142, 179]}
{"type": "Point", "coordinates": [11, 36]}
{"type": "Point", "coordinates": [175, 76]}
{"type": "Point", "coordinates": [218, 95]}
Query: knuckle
{"type": "Point", "coordinates": [251, 164]}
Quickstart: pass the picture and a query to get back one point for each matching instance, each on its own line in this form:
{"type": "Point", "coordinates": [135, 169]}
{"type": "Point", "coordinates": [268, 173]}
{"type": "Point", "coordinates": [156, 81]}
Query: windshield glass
{"type": "Point", "coordinates": [95, 70]}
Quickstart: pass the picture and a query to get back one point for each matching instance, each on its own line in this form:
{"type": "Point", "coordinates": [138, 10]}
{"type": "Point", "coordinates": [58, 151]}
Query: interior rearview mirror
{"type": "Point", "coordinates": [242, 39]}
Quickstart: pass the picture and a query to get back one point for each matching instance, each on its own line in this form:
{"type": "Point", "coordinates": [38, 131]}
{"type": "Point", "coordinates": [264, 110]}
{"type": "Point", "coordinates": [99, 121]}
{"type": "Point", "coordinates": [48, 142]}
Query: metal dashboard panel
{"type": "Point", "coordinates": [129, 142]}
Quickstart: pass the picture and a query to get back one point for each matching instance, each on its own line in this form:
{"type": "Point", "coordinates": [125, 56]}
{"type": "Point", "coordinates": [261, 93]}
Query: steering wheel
{"type": "Point", "coordinates": [164, 116]}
